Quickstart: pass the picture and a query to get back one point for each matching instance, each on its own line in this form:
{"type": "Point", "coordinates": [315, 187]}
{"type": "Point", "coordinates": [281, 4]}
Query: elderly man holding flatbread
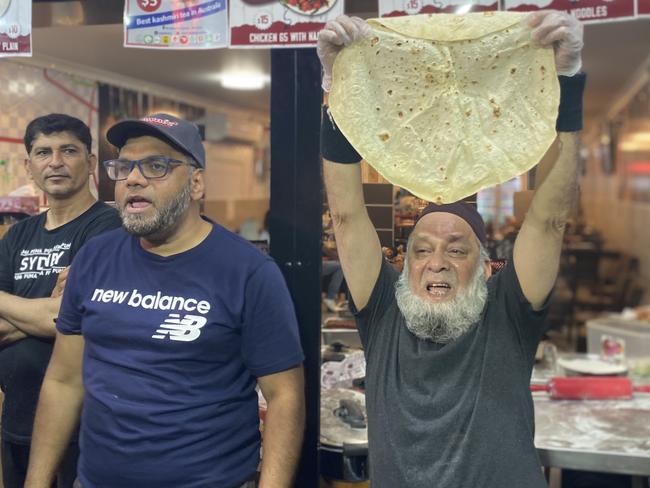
{"type": "Point", "coordinates": [444, 105]}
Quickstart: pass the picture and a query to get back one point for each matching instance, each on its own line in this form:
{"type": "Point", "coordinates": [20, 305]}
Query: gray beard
{"type": "Point", "coordinates": [164, 219]}
{"type": "Point", "coordinates": [446, 321]}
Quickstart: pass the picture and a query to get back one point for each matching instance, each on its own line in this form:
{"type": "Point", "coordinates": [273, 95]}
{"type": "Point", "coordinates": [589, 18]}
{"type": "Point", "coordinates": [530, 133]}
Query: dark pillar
{"type": "Point", "coordinates": [295, 216]}
{"type": "Point", "coordinates": [106, 187]}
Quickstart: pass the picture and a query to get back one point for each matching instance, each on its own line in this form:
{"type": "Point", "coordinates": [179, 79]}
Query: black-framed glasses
{"type": "Point", "coordinates": [151, 167]}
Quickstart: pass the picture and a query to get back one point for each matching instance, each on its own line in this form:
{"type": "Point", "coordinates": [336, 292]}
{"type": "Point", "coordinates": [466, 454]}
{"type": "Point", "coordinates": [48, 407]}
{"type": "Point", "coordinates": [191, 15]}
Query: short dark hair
{"type": "Point", "coordinates": [49, 124]}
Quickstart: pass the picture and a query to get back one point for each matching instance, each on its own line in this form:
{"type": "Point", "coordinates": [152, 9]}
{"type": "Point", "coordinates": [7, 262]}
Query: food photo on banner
{"type": "Point", "coordinates": [280, 23]}
{"type": "Point", "coordinates": [169, 24]}
{"type": "Point", "coordinates": [15, 28]}
{"type": "Point", "coordinates": [584, 10]}
{"type": "Point", "coordinates": [396, 8]}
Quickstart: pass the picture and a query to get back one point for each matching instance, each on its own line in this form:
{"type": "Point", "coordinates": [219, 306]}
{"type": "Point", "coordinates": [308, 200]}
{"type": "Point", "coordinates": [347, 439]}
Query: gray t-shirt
{"type": "Point", "coordinates": [455, 415]}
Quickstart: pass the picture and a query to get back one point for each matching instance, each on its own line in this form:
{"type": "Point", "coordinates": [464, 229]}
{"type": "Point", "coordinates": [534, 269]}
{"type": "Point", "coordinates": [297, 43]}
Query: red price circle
{"type": "Point", "coordinates": [149, 5]}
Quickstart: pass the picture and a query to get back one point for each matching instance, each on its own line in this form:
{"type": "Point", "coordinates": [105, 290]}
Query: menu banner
{"type": "Point", "coordinates": [586, 10]}
{"type": "Point", "coordinates": [643, 7]}
{"type": "Point", "coordinates": [280, 23]}
{"type": "Point", "coordinates": [396, 8]}
{"type": "Point", "coordinates": [175, 24]}
{"type": "Point", "coordinates": [15, 28]}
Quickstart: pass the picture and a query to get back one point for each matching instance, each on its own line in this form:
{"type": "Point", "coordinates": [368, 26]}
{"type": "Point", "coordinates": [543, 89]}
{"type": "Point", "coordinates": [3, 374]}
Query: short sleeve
{"type": "Point", "coordinates": [270, 338]}
{"type": "Point", "coordinates": [71, 311]}
{"type": "Point", "coordinates": [381, 298]}
{"type": "Point", "coordinates": [529, 324]}
{"type": "Point", "coordinates": [107, 219]}
{"type": "Point", "coordinates": [6, 265]}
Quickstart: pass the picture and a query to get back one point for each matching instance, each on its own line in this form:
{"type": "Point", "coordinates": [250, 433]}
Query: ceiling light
{"type": "Point", "coordinates": [463, 9]}
{"type": "Point", "coordinates": [244, 81]}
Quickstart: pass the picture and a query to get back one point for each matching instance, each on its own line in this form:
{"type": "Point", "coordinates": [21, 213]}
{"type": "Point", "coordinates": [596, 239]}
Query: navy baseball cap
{"type": "Point", "coordinates": [178, 133]}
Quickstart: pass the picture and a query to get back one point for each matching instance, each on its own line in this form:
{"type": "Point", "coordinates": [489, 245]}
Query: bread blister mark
{"type": "Point", "coordinates": [496, 110]}
{"type": "Point", "coordinates": [384, 136]}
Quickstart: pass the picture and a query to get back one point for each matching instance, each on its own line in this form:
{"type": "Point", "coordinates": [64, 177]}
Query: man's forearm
{"type": "Point", "coordinates": [57, 415]}
{"type": "Point", "coordinates": [33, 316]}
{"type": "Point", "coordinates": [9, 333]}
{"type": "Point", "coordinates": [556, 198]}
{"type": "Point", "coordinates": [283, 434]}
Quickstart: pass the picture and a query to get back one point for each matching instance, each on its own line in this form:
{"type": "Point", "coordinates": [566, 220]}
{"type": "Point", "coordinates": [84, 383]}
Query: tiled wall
{"type": "Point", "coordinates": [27, 92]}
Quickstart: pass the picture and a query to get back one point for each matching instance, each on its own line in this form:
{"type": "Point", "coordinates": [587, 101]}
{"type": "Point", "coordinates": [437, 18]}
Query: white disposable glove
{"type": "Point", "coordinates": [564, 32]}
{"type": "Point", "coordinates": [335, 36]}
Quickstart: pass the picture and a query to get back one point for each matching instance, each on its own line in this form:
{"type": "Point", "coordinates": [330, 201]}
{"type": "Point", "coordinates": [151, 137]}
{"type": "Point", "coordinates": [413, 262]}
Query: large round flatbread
{"type": "Point", "coordinates": [444, 105]}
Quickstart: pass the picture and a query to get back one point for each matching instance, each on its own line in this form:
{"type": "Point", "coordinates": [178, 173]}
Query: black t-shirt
{"type": "Point", "coordinates": [31, 258]}
{"type": "Point", "coordinates": [455, 415]}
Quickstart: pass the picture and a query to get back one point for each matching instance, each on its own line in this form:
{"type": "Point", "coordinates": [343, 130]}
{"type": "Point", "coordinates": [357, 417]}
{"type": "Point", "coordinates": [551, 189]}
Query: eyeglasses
{"type": "Point", "coordinates": [151, 167]}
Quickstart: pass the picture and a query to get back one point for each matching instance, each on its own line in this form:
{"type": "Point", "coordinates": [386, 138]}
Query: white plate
{"type": "Point", "coordinates": [591, 366]}
{"type": "Point", "coordinates": [322, 10]}
{"type": "Point", "coordinates": [4, 5]}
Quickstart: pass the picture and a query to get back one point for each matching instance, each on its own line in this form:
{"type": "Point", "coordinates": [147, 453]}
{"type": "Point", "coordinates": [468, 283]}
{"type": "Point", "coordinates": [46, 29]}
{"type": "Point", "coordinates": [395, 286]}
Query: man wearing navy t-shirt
{"type": "Point", "coordinates": [165, 329]}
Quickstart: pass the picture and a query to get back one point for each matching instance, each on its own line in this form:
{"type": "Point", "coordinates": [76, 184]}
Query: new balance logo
{"type": "Point", "coordinates": [184, 329]}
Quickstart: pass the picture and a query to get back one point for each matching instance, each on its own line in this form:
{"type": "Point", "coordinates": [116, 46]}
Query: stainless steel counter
{"type": "Point", "coordinates": [611, 436]}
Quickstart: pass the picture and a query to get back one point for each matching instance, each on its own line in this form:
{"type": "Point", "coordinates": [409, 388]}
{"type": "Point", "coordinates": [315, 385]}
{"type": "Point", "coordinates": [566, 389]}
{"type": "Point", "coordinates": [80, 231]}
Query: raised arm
{"type": "Point", "coordinates": [539, 243]}
{"type": "Point", "coordinates": [356, 240]}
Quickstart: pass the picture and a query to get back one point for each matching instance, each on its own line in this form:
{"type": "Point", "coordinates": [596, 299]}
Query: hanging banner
{"type": "Point", "coordinates": [280, 23]}
{"type": "Point", "coordinates": [585, 10]}
{"type": "Point", "coordinates": [175, 24]}
{"type": "Point", "coordinates": [396, 8]}
{"type": "Point", "coordinates": [15, 28]}
{"type": "Point", "coordinates": [643, 7]}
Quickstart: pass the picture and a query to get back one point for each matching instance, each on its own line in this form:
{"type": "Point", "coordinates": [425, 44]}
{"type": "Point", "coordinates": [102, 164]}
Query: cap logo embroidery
{"type": "Point", "coordinates": [156, 120]}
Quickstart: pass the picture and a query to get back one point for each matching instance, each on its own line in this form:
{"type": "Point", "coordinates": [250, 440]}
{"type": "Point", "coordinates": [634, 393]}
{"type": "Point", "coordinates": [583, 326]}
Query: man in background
{"type": "Point", "coordinates": [33, 254]}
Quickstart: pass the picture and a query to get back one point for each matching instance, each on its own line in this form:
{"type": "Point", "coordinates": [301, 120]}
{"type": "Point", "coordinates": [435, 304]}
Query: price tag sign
{"type": "Point", "coordinates": [263, 20]}
{"type": "Point", "coordinates": [280, 23]}
{"type": "Point", "coordinates": [170, 24]}
{"type": "Point", "coordinates": [396, 8]}
{"type": "Point", "coordinates": [149, 5]}
{"type": "Point", "coordinates": [15, 28]}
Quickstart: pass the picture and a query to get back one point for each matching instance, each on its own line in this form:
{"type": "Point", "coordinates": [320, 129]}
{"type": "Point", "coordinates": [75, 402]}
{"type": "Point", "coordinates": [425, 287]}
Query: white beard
{"type": "Point", "coordinates": [442, 322]}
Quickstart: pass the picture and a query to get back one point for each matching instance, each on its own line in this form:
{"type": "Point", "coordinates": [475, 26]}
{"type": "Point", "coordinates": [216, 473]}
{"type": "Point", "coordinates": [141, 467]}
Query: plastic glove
{"type": "Point", "coordinates": [335, 36]}
{"type": "Point", "coordinates": [564, 32]}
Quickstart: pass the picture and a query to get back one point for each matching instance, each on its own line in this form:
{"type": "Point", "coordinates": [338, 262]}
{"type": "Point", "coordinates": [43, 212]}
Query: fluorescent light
{"type": "Point", "coordinates": [463, 9]}
{"type": "Point", "coordinates": [636, 141]}
{"type": "Point", "coordinates": [244, 81]}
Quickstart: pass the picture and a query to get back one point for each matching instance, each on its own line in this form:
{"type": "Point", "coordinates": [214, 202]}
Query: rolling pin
{"type": "Point", "coordinates": [590, 388]}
